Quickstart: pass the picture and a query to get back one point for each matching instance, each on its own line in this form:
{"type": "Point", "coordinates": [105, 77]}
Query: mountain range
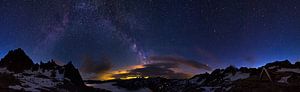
{"type": "Point", "coordinates": [278, 76]}
{"type": "Point", "coordinates": [19, 73]}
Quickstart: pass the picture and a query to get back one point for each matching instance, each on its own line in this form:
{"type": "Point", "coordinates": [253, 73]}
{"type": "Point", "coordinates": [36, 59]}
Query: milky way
{"type": "Point", "coordinates": [128, 32]}
{"type": "Point", "coordinates": [114, 23]}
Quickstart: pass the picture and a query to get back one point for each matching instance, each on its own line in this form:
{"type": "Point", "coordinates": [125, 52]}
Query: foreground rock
{"type": "Point", "coordinates": [19, 73]}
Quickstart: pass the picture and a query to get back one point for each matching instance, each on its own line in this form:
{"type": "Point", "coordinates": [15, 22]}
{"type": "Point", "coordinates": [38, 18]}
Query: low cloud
{"type": "Point", "coordinates": [91, 68]}
{"type": "Point", "coordinates": [59, 62]}
{"type": "Point", "coordinates": [158, 66]}
{"type": "Point", "coordinates": [164, 66]}
{"type": "Point", "coordinates": [165, 70]}
{"type": "Point", "coordinates": [180, 60]}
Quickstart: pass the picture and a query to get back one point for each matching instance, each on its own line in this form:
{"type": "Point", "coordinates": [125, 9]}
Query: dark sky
{"type": "Point", "coordinates": [214, 32]}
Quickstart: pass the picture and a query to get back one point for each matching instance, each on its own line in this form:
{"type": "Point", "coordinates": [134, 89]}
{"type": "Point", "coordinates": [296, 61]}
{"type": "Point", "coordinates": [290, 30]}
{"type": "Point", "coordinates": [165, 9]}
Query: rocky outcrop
{"type": "Point", "coordinates": [16, 60]}
{"type": "Point", "coordinates": [72, 74]}
{"type": "Point", "coordinates": [19, 73]}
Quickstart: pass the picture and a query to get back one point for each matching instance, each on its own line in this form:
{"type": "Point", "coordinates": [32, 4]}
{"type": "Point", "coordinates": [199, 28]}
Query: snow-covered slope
{"type": "Point", "coordinates": [111, 87]}
{"type": "Point", "coordinates": [285, 77]}
{"type": "Point", "coordinates": [19, 73]}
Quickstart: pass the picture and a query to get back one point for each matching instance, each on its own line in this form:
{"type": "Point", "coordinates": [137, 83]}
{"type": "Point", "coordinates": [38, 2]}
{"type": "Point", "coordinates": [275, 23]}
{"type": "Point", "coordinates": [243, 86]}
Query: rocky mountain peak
{"type": "Point", "coordinates": [283, 77]}
{"type": "Point", "coordinates": [16, 60]}
{"type": "Point", "coordinates": [73, 74]}
{"type": "Point", "coordinates": [19, 73]}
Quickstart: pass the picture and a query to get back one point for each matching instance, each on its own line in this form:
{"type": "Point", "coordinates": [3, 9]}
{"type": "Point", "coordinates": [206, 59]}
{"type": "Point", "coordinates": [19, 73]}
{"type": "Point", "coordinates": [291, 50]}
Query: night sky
{"type": "Point", "coordinates": [113, 34]}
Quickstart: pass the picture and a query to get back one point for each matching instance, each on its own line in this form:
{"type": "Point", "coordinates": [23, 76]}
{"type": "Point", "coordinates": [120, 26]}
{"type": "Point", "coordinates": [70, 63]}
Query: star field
{"type": "Point", "coordinates": [217, 33]}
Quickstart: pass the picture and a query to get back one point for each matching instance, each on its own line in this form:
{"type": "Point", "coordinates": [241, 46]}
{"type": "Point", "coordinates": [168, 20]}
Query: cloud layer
{"type": "Point", "coordinates": [165, 70]}
{"type": "Point", "coordinates": [91, 68]}
{"type": "Point", "coordinates": [180, 60]}
{"type": "Point", "coordinates": [164, 66]}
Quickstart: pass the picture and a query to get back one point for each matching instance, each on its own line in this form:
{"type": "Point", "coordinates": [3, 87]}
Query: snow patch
{"type": "Point", "coordinates": [201, 81]}
{"type": "Point", "coordinates": [31, 82]}
{"type": "Point", "coordinates": [289, 70]}
{"type": "Point", "coordinates": [16, 87]}
{"type": "Point", "coordinates": [4, 70]}
{"type": "Point", "coordinates": [209, 89]}
{"type": "Point", "coordinates": [237, 76]}
{"type": "Point", "coordinates": [227, 89]}
{"type": "Point", "coordinates": [111, 87]}
{"type": "Point", "coordinates": [284, 79]}
{"type": "Point", "coordinates": [59, 76]}
{"type": "Point", "coordinates": [273, 67]}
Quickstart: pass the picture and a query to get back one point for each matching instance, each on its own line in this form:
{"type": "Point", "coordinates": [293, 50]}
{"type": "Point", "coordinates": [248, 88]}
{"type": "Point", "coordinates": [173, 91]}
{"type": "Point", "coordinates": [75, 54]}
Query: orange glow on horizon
{"type": "Point", "coordinates": [109, 74]}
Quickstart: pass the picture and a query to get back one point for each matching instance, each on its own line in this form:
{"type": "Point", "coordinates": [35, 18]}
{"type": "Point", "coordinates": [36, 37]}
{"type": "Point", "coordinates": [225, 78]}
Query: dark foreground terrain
{"type": "Point", "coordinates": [19, 73]}
{"type": "Point", "coordinates": [283, 77]}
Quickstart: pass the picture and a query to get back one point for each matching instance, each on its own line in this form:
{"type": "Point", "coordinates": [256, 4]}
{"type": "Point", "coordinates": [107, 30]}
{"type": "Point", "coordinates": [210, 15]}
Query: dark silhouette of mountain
{"type": "Point", "coordinates": [282, 64]}
{"type": "Point", "coordinates": [284, 77]}
{"type": "Point", "coordinates": [16, 60]}
{"type": "Point", "coordinates": [19, 73]}
{"type": "Point", "coordinates": [73, 74]}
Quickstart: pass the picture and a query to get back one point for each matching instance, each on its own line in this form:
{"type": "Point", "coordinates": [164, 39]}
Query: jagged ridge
{"type": "Point", "coordinates": [24, 75]}
{"type": "Point", "coordinates": [285, 77]}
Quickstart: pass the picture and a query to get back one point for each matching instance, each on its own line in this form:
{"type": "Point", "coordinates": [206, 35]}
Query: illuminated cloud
{"type": "Point", "coordinates": [109, 75]}
{"type": "Point", "coordinates": [180, 60]}
{"type": "Point", "coordinates": [159, 66]}
{"type": "Point", "coordinates": [166, 70]}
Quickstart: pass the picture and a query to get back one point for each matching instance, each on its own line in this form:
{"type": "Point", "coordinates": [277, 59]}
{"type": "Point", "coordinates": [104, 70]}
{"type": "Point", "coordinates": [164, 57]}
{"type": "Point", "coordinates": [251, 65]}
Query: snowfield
{"type": "Point", "coordinates": [209, 89]}
{"type": "Point", "coordinates": [4, 70]}
{"type": "Point", "coordinates": [31, 82]}
{"type": "Point", "coordinates": [109, 86]}
{"type": "Point", "coordinates": [194, 81]}
{"type": "Point", "coordinates": [273, 67]}
{"type": "Point", "coordinates": [296, 70]}
{"type": "Point", "coordinates": [237, 76]}
{"type": "Point", "coordinates": [284, 79]}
